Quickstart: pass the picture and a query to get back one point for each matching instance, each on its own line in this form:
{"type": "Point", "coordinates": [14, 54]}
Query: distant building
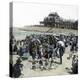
{"type": "Point", "coordinates": [54, 20]}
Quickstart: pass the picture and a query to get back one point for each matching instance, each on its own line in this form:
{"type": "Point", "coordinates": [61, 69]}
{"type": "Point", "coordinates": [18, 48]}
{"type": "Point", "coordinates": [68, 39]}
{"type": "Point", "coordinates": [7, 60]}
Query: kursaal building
{"type": "Point", "coordinates": [54, 20]}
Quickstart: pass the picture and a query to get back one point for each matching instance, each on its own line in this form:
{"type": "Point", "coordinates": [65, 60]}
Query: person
{"type": "Point", "coordinates": [17, 68]}
{"type": "Point", "coordinates": [32, 50]}
{"type": "Point", "coordinates": [39, 55]}
{"type": "Point", "coordinates": [61, 53]}
{"type": "Point", "coordinates": [45, 57]}
{"type": "Point", "coordinates": [15, 49]}
{"type": "Point", "coordinates": [72, 46]}
{"type": "Point", "coordinates": [75, 64]}
{"type": "Point", "coordinates": [50, 55]}
{"type": "Point", "coordinates": [61, 47]}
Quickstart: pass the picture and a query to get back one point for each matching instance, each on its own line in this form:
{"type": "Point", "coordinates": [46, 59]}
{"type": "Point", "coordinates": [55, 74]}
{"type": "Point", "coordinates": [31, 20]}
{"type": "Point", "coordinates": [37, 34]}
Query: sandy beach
{"type": "Point", "coordinates": [63, 69]}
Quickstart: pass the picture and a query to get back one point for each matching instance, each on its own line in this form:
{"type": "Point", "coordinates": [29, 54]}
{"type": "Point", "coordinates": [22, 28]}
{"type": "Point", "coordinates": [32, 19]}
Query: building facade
{"type": "Point", "coordinates": [54, 20]}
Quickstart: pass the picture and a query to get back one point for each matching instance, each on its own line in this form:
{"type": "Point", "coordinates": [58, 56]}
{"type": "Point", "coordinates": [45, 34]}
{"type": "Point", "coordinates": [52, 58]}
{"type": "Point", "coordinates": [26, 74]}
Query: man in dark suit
{"type": "Point", "coordinates": [61, 52]}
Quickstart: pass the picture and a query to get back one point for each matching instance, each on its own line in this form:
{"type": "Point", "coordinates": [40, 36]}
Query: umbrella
{"type": "Point", "coordinates": [61, 43]}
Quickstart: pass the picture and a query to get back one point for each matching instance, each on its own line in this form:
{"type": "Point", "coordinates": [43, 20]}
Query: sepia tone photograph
{"type": "Point", "coordinates": [43, 39]}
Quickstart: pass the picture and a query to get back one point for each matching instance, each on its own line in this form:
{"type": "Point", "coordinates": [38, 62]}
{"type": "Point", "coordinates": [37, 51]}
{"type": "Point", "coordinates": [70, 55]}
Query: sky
{"type": "Point", "coordinates": [32, 13]}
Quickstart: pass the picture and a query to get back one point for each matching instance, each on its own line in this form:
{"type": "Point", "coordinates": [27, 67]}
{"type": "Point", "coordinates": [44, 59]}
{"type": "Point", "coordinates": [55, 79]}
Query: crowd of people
{"type": "Point", "coordinates": [44, 48]}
